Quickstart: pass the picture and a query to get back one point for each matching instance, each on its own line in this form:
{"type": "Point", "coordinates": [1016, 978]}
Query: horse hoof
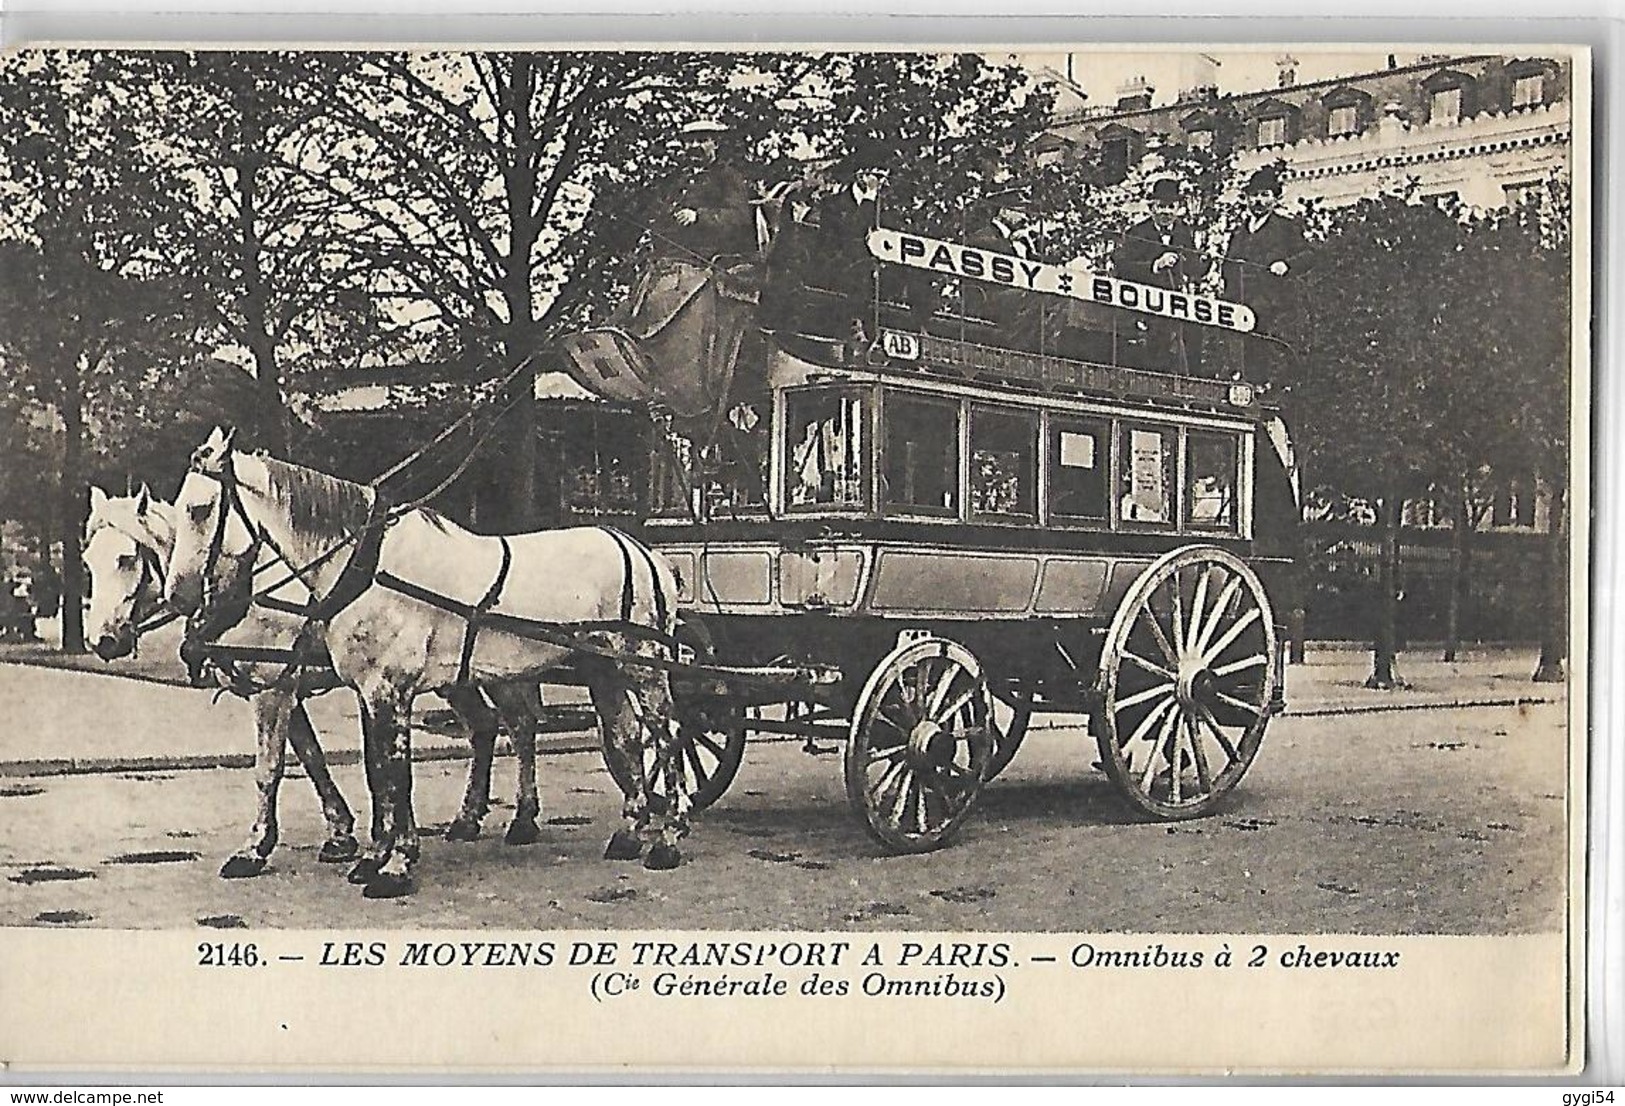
{"type": "Point", "coordinates": [364, 872]}
{"type": "Point", "coordinates": [242, 867]}
{"type": "Point", "coordinates": [336, 850]}
{"type": "Point", "coordinates": [387, 885]}
{"type": "Point", "coordinates": [522, 833]}
{"type": "Point", "coordinates": [623, 846]}
{"type": "Point", "coordinates": [662, 857]}
{"type": "Point", "coordinates": [463, 830]}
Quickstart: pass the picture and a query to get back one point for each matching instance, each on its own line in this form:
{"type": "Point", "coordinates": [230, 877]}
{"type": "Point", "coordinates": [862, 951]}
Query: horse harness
{"type": "Point", "coordinates": [362, 570]}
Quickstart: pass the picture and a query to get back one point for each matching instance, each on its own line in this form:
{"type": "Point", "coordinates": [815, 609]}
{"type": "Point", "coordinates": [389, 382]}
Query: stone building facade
{"type": "Point", "coordinates": [1483, 129]}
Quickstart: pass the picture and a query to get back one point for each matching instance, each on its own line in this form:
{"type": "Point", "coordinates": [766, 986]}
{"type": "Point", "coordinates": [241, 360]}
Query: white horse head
{"type": "Point", "coordinates": [126, 542]}
{"type": "Point", "coordinates": [215, 544]}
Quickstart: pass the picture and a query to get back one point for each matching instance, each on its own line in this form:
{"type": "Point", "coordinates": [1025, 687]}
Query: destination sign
{"type": "Point", "coordinates": [952, 259]}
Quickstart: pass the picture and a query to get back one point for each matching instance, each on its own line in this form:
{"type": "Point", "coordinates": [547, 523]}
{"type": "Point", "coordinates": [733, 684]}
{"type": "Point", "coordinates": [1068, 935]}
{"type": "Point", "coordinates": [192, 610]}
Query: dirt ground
{"type": "Point", "coordinates": [1420, 822]}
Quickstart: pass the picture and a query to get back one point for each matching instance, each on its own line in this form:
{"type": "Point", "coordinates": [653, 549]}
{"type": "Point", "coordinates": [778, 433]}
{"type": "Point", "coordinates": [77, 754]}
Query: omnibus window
{"type": "Point", "coordinates": [1079, 469]}
{"type": "Point", "coordinates": [1211, 469]}
{"type": "Point", "coordinates": [824, 449]}
{"type": "Point", "coordinates": [1146, 483]}
{"type": "Point", "coordinates": [1003, 463]}
{"type": "Point", "coordinates": [598, 465]}
{"type": "Point", "coordinates": [673, 473]}
{"type": "Point", "coordinates": [922, 454]}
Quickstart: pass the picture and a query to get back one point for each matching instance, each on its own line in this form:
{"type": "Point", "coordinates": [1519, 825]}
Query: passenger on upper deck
{"type": "Point", "coordinates": [999, 225]}
{"type": "Point", "coordinates": [844, 222]}
{"type": "Point", "coordinates": [710, 213]}
{"type": "Point", "coordinates": [1161, 251]}
{"type": "Point", "coordinates": [1265, 254]}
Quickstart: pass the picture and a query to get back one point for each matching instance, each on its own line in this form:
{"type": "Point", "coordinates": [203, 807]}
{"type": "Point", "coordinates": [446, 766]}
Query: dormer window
{"type": "Point", "coordinates": [1532, 80]}
{"type": "Point", "coordinates": [1348, 112]}
{"type": "Point", "coordinates": [1199, 128]}
{"type": "Point", "coordinates": [1445, 107]}
{"type": "Point", "coordinates": [1277, 123]}
{"type": "Point", "coordinates": [1450, 96]}
{"type": "Point", "coordinates": [1272, 131]}
{"type": "Point", "coordinates": [1120, 148]}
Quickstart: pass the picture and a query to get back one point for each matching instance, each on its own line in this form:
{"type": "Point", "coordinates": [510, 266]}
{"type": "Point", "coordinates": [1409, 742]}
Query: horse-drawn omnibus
{"type": "Point", "coordinates": [917, 544]}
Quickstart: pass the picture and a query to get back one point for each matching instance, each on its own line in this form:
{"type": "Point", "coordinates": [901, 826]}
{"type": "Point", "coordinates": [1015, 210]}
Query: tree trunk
{"type": "Point", "coordinates": [1385, 646]}
{"type": "Point", "coordinates": [72, 508]}
{"type": "Point", "coordinates": [272, 433]}
{"type": "Point", "coordinates": [1460, 537]}
{"type": "Point", "coordinates": [1554, 621]}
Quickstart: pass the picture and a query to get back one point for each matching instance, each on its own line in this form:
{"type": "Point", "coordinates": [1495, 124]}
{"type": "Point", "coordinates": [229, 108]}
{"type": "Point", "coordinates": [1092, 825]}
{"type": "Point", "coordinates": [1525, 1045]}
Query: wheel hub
{"type": "Point", "coordinates": [928, 743]}
{"type": "Point", "coordinates": [1196, 684]}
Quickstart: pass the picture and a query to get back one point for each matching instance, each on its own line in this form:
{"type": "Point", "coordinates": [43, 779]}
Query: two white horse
{"type": "Point", "coordinates": [128, 545]}
{"type": "Point", "coordinates": [442, 610]}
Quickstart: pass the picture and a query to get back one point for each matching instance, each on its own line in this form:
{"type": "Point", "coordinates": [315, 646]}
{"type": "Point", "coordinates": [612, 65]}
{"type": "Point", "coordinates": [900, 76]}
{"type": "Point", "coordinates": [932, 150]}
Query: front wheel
{"type": "Point", "coordinates": [920, 744]}
{"type": "Point", "coordinates": [708, 751]}
{"type": "Point", "coordinates": [1187, 682]}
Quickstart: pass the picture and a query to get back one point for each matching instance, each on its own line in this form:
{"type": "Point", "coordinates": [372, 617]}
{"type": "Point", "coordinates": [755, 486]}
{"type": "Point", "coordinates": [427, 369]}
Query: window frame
{"type": "Point", "coordinates": [1053, 427]}
{"type": "Point", "coordinates": [1033, 417]}
{"type": "Point", "coordinates": [883, 503]}
{"type": "Point", "coordinates": [1188, 485]}
{"type": "Point", "coordinates": [782, 465]}
{"type": "Point", "coordinates": [1121, 463]}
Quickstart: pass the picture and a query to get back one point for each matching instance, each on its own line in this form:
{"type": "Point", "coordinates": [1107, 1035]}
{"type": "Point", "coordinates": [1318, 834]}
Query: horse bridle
{"type": "Point", "coordinates": [149, 586]}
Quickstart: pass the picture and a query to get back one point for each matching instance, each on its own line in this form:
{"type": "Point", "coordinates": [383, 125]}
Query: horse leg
{"type": "Point", "coordinates": [393, 719]}
{"type": "Point", "coordinates": [341, 844]}
{"type": "Point", "coordinates": [271, 710]}
{"type": "Point", "coordinates": [650, 691]}
{"type": "Point", "coordinates": [481, 723]}
{"type": "Point", "coordinates": [371, 755]}
{"type": "Point", "coordinates": [617, 716]}
{"type": "Point", "coordinates": [520, 706]}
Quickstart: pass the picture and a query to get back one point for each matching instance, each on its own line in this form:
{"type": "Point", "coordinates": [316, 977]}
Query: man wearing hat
{"type": "Point", "coordinates": [710, 213]}
{"type": "Point", "coordinates": [1161, 251]}
{"type": "Point", "coordinates": [1265, 254]}
{"type": "Point", "coordinates": [845, 219]}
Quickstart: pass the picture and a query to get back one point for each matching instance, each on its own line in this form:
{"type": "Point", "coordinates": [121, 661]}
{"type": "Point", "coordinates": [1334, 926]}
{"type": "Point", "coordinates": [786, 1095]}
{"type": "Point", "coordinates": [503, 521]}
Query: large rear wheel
{"type": "Point", "coordinates": [1187, 682]}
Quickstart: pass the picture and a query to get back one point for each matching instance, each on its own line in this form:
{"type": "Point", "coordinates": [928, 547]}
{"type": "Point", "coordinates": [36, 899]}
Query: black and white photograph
{"type": "Point", "coordinates": [868, 548]}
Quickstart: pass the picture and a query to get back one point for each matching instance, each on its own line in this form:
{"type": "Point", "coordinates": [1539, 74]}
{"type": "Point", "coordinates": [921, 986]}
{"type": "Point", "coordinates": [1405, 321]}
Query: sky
{"type": "Point", "coordinates": [1168, 71]}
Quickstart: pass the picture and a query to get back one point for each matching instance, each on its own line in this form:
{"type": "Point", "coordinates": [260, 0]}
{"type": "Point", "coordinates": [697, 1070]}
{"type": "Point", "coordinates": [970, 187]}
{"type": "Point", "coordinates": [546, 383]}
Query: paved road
{"type": "Point", "coordinates": [1430, 821]}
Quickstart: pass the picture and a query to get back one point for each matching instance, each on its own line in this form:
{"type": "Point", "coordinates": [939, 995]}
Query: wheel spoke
{"type": "Point", "coordinates": [951, 710]}
{"type": "Point", "coordinates": [892, 753]}
{"type": "Point", "coordinates": [1188, 645]}
{"type": "Point", "coordinates": [1218, 732]}
{"type": "Point", "coordinates": [1146, 723]}
{"type": "Point", "coordinates": [886, 784]}
{"type": "Point", "coordinates": [1175, 776]}
{"type": "Point", "coordinates": [1144, 696]}
{"type": "Point", "coordinates": [1151, 761]}
{"type": "Point", "coordinates": [1203, 777]}
{"type": "Point", "coordinates": [939, 692]}
{"type": "Point", "coordinates": [1217, 614]}
{"type": "Point", "coordinates": [1179, 608]}
{"type": "Point", "coordinates": [1236, 666]}
{"type": "Point", "coordinates": [1154, 669]}
{"type": "Point", "coordinates": [1163, 643]}
{"type": "Point", "coordinates": [1212, 654]}
{"type": "Point", "coordinates": [1231, 700]}
{"type": "Point", "coordinates": [701, 774]}
{"type": "Point", "coordinates": [881, 715]}
{"type": "Point", "coordinates": [717, 748]}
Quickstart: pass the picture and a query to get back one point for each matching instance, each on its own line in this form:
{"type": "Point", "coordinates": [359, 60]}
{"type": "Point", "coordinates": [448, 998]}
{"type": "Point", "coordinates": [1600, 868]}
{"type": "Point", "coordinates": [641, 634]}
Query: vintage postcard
{"type": "Point", "coordinates": [788, 560]}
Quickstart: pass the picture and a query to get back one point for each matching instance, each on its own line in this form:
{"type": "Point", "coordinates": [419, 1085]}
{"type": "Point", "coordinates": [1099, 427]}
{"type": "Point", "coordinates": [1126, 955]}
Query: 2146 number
{"type": "Point", "coordinates": [221, 955]}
